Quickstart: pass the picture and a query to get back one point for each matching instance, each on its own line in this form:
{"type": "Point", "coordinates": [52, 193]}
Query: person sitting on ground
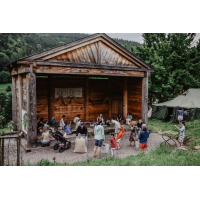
{"type": "Point", "coordinates": [76, 118]}
{"type": "Point", "coordinates": [117, 125]}
{"type": "Point", "coordinates": [82, 131]}
{"type": "Point", "coordinates": [62, 122]}
{"type": "Point", "coordinates": [144, 135]}
{"type": "Point", "coordinates": [53, 121]}
{"type": "Point", "coordinates": [40, 123]}
{"type": "Point", "coordinates": [113, 145]}
{"type": "Point", "coordinates": [68, 128]}
{"type": "Point", "coordinates": [99, 137]}
{"type": "Point", "coordinates": [100, 118]}
{"type": "Point", "coordinates": [181, 133]}
{"type": "Point", "coordinates": [132, 136]}
{"type": "Point", "coordinates": [129, 118]}
{"type": "Point", "coordinates": [119, 118]}
{"type": "Point", "coordinates": [180, 115]}
{"type": "Point", "coordinates": [119, 136]}
{"type": "Point", "coordinates": [45, 139]}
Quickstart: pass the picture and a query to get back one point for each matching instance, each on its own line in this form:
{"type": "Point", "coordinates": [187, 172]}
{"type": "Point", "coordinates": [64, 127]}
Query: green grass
{"type": "Point", "coordinates": [4, 86]}
{"type": "Point", "coordinates": [161, 156]}
{"type": "Point", "coordinates": [192, 130]}
{"type": "Point", "coordinates": [5, 130]}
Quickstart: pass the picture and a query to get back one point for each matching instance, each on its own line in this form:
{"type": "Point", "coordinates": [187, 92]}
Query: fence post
{"type": "Point", "coordinates": [2, 151]}
{"type": "Point", "coordinates": [18, 150]}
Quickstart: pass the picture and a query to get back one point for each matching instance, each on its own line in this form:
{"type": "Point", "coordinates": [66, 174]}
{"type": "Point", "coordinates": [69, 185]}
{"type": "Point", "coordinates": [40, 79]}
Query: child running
{"type": "Point", "coordinates": [113, 142]}
{"type": "Point", "coordinates": [132, 136]}
{"type": "Point", "coordinates": [119, 135]}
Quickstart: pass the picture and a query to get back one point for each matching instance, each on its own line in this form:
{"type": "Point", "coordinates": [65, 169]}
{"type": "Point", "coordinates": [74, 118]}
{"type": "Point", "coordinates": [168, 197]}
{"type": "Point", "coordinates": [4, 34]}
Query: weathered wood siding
{"type": "Point", "coordinates": [135, 97]}
{"type": "Point", "coordinates": [42, 97]}
{"type": "Point", "coordinates": [99, 95]}
{"type": "Point", "coordinates": [117, 95]}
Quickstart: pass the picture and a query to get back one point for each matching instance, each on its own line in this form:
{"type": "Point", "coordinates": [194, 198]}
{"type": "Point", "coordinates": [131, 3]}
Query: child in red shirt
{"type": "Point", "coordinates": [113, 143]}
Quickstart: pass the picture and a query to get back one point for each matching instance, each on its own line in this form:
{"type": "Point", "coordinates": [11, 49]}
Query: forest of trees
{"type": "Point", "coordinates": [18, 45]}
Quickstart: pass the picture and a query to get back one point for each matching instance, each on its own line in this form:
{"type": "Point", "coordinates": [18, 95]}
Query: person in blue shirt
{"type": "Point", "coordinates": [180, 115]}
{"type": "Point", "coordinates": [143, 136]}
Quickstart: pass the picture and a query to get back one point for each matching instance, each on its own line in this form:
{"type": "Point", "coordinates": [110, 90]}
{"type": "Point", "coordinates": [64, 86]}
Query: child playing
{"type": "Point", "coordinates": [119, 135]}
{"type": "Point", "coordinates": [113, 143]}
{"type": "Point", "coordinates": [132, 136]}
{"type": "Point", "coordinates": [123, 130]}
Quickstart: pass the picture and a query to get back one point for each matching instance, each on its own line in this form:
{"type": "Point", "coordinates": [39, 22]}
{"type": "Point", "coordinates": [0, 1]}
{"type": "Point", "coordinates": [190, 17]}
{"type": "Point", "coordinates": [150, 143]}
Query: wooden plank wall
{"type": "Point", "coordinates": [135, 97]}
{"type": "Point", "coordinates": [117, 95]}
{"type": "Point", "coordinates": [42, 97]}
{"type": "Point", "coordinates": [24, 92]}
{"type": "Point", "coordinates": [98, 91]}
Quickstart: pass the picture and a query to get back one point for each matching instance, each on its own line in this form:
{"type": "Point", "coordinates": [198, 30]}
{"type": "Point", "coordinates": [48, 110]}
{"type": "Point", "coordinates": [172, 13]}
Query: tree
{"type": "Point", "coordinates": [4, 60]}
{"type": "Point", "coordinates": [5, 77]}
{"type": "Point", "coordinates": [8, 107]}
{"type": "Point", "coordinates": [175, 61]}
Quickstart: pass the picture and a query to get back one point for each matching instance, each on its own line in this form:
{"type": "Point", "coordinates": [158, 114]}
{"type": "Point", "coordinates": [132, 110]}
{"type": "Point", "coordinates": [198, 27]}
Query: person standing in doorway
{"type": "Point", "coordinates": [180, 115]}
{"type": "Point", "coordinates": [99, 137]}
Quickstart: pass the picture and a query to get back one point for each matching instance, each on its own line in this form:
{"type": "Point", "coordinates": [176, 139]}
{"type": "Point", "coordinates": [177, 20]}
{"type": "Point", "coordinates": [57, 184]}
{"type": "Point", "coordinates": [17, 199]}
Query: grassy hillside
{"type": "Point", "coordinates": [4, 86]}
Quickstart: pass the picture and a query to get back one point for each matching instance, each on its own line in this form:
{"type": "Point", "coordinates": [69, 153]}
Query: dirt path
{"type": "Point", "coordinates": [69, 157]}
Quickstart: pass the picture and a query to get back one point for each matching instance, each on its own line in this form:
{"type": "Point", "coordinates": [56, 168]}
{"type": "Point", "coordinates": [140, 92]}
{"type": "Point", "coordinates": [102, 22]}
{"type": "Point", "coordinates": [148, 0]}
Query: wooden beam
{"type": "Point", "coordinates": [14, 101]}
{"type": "Point", "coordinates": [125, 99]}
{"type": "Point", "coordinates": [20, 102]}
{"type": "Point", "coordinates": [87, 98]}
{"type": "Point", "coordinates": [145, 99]}
{"type": "Point", "coordinates": [31, 109]}
{"type": "Point", "coordinates": [110, 98]}
{"type": "Point", "coordinates": [81, 71]}
{"type": "Point", "coordinates": [83, 65]}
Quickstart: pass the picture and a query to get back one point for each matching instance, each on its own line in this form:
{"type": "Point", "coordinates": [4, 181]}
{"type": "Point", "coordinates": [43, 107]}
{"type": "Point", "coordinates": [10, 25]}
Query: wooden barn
{"type": "Point", "coordinates": [89, 76]}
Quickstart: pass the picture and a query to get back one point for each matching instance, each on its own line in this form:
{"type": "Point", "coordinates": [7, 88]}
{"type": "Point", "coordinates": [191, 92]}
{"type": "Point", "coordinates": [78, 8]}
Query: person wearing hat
{"type": "Point", "coordinates": [62, 122]}
{"type": "Point", "coordinates": [143, 136]}
{"type": "Point", "coordinates": [82, 131]}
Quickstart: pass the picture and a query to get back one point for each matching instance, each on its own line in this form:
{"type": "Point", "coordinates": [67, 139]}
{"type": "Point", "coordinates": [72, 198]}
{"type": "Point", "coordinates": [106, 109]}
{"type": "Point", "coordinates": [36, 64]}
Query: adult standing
{"type": "Point", "coordinates": [99, 137]}
{"type": "Point", "coordinates": [129, 118]}
{"type": "Point", "coordinates": [117, 125]}
{"type": "Point", "coordinates": [180, 115]}
{"type": "Point", "coordinates": [139, 125]}
{"type": "Point", "coordinates": [62, 122]}
{"type": "Point", "coordinates": [82, 131]}
{"type": "Point", "coordinates": [144, 135]}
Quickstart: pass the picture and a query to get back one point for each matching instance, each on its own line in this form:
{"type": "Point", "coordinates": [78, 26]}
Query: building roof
{"type": "Point", "coordinates": [98, 49]}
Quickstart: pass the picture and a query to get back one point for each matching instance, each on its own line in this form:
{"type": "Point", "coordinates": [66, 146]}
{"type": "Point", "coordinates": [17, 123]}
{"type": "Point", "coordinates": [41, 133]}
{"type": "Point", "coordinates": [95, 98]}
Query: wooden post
{"type": "Point", "coordinates": [145, 98]}
{"type": "Point", "coordinates": [50, 103]}
{"type": "Point", "coordinates": [18, 150]}
{"type": "Point", "coordinates": [14, 101]}
{"type": "Point", "coordinates": [110, 98]}
{"type": "Point", "coordinates": [20, 100]}
{"type": "Point", "coordinates": [87, 98]}
{"type": "Point", "coordinates": [31, 109]}
{"type": "Point", "coordinates": [2, 151]}
{"type": "Point", "coordinates": [125, 99]}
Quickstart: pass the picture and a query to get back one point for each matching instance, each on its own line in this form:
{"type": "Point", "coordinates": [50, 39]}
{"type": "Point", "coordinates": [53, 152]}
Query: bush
{"type": "Point", "coordinates": [8, 89]}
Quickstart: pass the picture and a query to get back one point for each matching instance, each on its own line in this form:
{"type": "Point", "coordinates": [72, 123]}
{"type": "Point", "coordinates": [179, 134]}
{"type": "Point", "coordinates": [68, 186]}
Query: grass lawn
{"type": "Point", "coordinates": [161, 156]}
{"type": "Point", "coordinates": [4, 86]}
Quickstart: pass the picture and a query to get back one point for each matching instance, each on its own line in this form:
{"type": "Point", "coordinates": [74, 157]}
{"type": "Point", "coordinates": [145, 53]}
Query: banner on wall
{"type": "Point", "coordinates": [24, 121]}
{"type": "Point", "coordinates": [68, 92]}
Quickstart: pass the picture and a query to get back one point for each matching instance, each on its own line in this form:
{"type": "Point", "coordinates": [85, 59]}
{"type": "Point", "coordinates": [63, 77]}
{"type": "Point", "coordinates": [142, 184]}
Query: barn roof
{"type": "Point", "coordinates": [97, 49]}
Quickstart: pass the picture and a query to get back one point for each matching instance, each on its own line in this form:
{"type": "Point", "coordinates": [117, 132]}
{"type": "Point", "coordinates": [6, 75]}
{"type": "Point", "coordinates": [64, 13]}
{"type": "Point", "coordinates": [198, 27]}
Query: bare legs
{"type": "Point", "coordinates": [98, 152]}
{"type": "Point", "coordinates": [143, 150]}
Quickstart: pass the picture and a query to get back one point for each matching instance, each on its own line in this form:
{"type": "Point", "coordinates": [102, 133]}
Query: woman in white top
{"type": "Point", "coordinates": [62, 122]}
{"type": "Point", "coordinates": [117, 125]}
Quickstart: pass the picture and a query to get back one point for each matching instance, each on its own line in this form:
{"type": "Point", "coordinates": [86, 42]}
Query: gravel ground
{"type": "Point", "coordinates": [69, 157]}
